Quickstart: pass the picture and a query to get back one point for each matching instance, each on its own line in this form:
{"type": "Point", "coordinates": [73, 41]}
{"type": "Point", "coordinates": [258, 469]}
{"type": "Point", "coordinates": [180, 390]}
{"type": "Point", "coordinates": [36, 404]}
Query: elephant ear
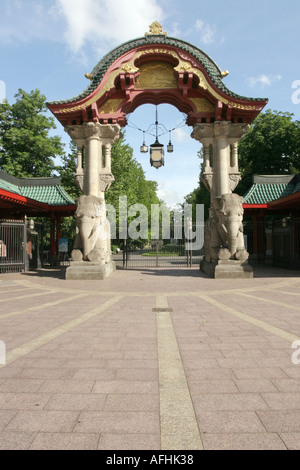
{"type": "Point", "coordinates": [219, 204]}
{"type": "Point", "coordinates": [99, 206]}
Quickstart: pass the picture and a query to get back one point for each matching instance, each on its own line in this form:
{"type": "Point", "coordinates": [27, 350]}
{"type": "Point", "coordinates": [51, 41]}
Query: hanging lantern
{"type": "Point", "coordinates": [157, 154]}
{"type": "Point", "coordinates": [144, 147]}
{"type": "Point", "coordinates": [170, 145]}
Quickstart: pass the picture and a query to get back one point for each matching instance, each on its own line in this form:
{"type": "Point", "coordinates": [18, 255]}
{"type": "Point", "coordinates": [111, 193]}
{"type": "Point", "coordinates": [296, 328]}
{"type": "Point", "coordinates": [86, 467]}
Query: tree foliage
{"type": "Point", "coordinates": [130, 180]}
{"type": "Point", "coordinates": [26, 148]}
{"type": "Point", "coordinates": [272, 146]}
{"type": "Point", "coordinates": [200, 195]}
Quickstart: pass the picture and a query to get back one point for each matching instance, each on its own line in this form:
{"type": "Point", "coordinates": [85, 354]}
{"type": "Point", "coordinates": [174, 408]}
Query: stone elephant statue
{"type": "Point", "coordinates": [224, 237]}
{"type": "Point", "coordinates": [92, 240]}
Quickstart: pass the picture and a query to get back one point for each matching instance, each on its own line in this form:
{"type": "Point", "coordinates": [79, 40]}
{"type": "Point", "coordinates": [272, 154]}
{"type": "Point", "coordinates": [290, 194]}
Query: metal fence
{"type": "Point", "coordinates": [12, 246]}
{"type": "Point", "coordinates": [162, 253]}
{"type": "Point", "coordinates": [286, 243]}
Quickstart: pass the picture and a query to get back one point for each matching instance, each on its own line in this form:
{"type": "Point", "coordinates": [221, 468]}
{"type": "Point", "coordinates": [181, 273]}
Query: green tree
{"type": "Point", "coordinates": [129, 181]}
{"type": "Point", "coordinates": [272, 146]}
{"type": "Point", "coordinates": [26, 148]}
{"type": "Point", "coordinates": [130, 178]}
{"type": "Point", "coordinates": [67, 170]}
{"type": "Point", "coordinates": [200, 195]}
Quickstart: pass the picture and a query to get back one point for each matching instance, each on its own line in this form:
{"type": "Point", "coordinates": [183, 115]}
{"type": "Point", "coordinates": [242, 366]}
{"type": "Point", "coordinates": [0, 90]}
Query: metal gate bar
{"type": "Point", "coordinates": [161, 253]}
{"type": "Point", "coordinates": [12, 246]}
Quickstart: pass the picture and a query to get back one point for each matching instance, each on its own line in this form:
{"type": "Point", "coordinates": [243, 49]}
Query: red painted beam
{"type": "Point", "coordinates": [255, 206]}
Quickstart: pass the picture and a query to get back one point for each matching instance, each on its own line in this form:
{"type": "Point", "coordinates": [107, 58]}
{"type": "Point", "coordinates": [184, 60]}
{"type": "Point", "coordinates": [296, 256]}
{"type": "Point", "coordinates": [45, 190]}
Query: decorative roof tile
{"type": "Point", "coordinates": [211, 67]}
{"type": "Point", "coordinates": [53, 195]}
{"type": "Point", "coordinates": [7, 186]}
{"type": "Point", "coordinates": [272, 189]}
{"type": "Point", "coordinates": [46, 190]}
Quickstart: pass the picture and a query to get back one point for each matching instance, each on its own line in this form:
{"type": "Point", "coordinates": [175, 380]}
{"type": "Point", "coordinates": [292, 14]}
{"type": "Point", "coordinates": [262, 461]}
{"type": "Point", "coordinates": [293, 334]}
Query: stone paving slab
{"type": "Point", "coordinates": [150, 359]}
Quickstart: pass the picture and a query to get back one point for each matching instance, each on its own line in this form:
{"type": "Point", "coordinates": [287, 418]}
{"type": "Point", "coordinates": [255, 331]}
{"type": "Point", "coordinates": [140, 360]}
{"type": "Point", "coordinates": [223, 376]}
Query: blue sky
{"type": "Point", "coordinates": [51, 44]}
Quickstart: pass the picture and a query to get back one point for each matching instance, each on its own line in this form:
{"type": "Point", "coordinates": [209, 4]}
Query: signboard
{"type": "Point", "coordinates": [63, 245]}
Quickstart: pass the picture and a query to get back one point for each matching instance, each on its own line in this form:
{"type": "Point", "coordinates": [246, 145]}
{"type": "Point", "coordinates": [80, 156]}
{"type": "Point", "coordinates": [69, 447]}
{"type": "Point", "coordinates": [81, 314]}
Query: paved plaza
{"type": "Point", "coordinates": [150, 359]}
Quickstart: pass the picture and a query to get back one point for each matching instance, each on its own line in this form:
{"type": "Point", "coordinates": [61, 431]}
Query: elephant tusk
{"type": "Point", "coordinates": [224, 228]}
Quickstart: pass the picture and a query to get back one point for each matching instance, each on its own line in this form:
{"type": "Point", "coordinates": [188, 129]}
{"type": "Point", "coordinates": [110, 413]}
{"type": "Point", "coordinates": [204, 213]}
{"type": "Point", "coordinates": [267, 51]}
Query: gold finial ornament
{"type": "Point", "coordinates": [129, 68]}
{"type": "Point", "coordinates": [155, 29]}
{"type": "Point", "coordinates": [224, 74]}
{"type": "Point", "coordinates": [89, 76]}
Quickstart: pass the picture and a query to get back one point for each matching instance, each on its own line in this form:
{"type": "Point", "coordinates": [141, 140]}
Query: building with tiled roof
{"type": "Point", "coordinates": [23, 198]}
{"type": "Point", "coordinates": [33, 196]}
{"type": "Point", "coordinates": [269, 188]}
{"type": "Point", "coordinates": [272, 215]}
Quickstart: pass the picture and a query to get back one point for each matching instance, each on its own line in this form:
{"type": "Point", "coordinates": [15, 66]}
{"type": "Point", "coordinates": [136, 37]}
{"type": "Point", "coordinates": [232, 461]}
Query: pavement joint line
{"type": "Point", "coordinates": [29, 295]}
{"type": "Point", "coordinates": [45, 338]}
{"type": "Point", "coordinates": [290, 337]}
{"type": "Point", "coordinates": [287, 292]}
{"type": "Point", "coordinates": [21, 289]}
{"type": "Point", "coordinates": [179, 427]}
{"type": "Point", "coordinates": [264, 287]}
{"type": "Point", "coordinates": [41, 306]}
{"type": "Point", "coordinates": [33, 285]}
{"type": "Point", "coordinates": [275, 302]}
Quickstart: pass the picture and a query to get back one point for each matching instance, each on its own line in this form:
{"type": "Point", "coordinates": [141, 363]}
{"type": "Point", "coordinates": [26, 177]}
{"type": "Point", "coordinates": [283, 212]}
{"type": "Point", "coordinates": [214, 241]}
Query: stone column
{"type": "Point", "coordinates": [94, 178]}
{"type": "Point", "coordinates": [225, 254]}
{"type": "Point", "coordinates": [91, 174]}
{"type": "Point", "coordinates": [91, 256]}
{"type": "Point", "coordinates": [222, 177]}
{"type": "Point", "coordinates": [222, 157]}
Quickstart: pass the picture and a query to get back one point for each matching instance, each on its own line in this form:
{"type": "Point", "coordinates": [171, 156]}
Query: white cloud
{"type": "Point", "coordinates": [180, 135]}
{"type": "Point", "coordinates": [24, 22]}
{"type": "Point", "coordinates": [174, 31]}
{"type": "Point", "coordinates": [208, 32]}
{"type": "Point", "coordinates": [263, 80]}
{"type": "Point", "coordinates": [105, 23]}
{"type": "Point", "coordinates": [170, 196]}
{"type": "Point", "coordinates": [86, 26]}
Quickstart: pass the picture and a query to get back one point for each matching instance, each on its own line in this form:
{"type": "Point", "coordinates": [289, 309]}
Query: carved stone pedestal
{"type": "Point", "coordinates": [230, 269]}
{"type": "Point", "coordinates": [85, 270]}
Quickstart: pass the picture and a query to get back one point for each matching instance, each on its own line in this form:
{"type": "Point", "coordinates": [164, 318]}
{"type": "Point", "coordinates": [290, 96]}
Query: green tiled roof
{"type": "Point", "coordinates": [211, 67]}
{"type": "Point", "coordinates": [272, 189]}
{"type": "Point", "coordinates": [46, 190]}
{"type": "Point", "coordinates": [7, 186]}
{"type": "Point", "coordinates": [53, 195]}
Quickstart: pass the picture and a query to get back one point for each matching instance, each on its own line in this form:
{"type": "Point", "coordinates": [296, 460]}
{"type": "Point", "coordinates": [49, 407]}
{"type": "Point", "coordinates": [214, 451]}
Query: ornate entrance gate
{"type": "Point", "coordinates": [159, 69]}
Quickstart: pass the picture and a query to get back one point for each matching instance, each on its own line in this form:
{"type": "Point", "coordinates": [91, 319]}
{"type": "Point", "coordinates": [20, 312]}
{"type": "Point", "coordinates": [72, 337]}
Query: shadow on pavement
{"type": "Point", "coordinates": [260, 271]}
{"type": "Point", "coordinates": [54, 273]}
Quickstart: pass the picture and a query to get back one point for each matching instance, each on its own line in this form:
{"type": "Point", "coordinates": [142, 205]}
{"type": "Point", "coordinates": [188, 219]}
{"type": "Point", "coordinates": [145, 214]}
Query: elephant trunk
{"type": "Point", "coordinates": [233, 229]}
{"type": "Point", "coordinates": [85, 230]}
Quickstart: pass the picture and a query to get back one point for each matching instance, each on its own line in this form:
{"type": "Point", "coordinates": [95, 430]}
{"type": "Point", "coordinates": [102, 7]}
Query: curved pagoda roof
{"type": "Point", "coordinates": [197, 74]}
{"type": "Point", "coordinates": [34, 196]}
{"type": "Point", "coordinates": [273, 192]}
